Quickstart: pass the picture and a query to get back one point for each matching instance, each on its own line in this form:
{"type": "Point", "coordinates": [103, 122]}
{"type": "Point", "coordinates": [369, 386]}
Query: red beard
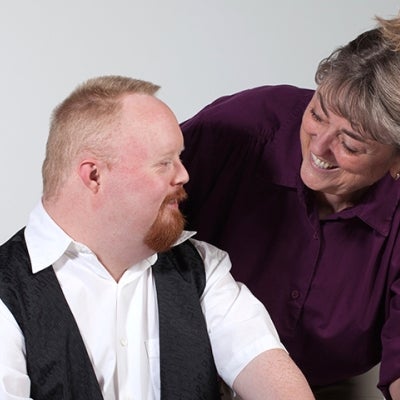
{"type": "Point", "coordinates": [168, 225]}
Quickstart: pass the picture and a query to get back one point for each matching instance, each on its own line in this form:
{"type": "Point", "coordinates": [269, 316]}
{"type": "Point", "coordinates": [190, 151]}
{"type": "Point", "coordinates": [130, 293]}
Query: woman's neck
{"type": "Point", "coordinates": [330, 203]}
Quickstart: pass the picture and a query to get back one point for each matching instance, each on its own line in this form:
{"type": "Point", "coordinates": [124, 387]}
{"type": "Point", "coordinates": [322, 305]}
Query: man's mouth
{"type": "Point", "coordinates": [321, 163]}
{"type": "Point", "coordinates": [176, 198]}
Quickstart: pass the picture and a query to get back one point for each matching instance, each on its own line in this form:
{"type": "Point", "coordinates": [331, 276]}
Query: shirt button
{"type": "Point", "coordinates": [124, 342]}
{"type": "Point", "coordinates": [295, 294]}
{"type": "Point", "coordinates": [315, 236]}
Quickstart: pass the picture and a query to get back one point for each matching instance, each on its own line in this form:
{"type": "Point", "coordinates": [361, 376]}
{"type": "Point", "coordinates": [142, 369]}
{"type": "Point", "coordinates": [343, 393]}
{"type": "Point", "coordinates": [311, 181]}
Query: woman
{"type": "Point", "coordinates": [300, 187]}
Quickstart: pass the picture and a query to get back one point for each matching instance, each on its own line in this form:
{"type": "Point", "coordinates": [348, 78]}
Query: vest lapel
{"type": "Point", "coordinates": [57, 361]}
{"type": "Point", "coordinates": [186, 362]}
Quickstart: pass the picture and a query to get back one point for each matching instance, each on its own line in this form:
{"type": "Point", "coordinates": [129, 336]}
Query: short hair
{"type": "Point", "coordinates": [82, 123]}
{"type": "Point", "coordinates": [361, 82]}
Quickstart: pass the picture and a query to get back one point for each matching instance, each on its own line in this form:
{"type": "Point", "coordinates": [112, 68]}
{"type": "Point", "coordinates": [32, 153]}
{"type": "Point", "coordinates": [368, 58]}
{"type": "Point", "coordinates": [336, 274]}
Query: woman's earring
{"type": "Point", "coordinates": [397, 176]}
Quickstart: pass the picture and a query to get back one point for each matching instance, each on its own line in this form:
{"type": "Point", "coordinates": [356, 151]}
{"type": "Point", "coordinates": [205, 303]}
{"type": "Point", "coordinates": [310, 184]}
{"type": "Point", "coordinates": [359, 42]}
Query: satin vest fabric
{"type": "Point", "coordinates": [57, 361]}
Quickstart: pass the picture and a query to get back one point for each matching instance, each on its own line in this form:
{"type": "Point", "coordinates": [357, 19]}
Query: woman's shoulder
{"type": "Point", "coordinates": [261, 109]}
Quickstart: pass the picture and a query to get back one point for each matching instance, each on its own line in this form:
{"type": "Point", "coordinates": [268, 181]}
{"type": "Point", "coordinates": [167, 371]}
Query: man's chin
{"type": "Point", "coordinates": [165, 231]}
{"type": "Point", "coordinates": [161, 242]}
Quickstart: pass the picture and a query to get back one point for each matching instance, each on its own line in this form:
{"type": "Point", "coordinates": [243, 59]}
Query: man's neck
{"type": "Point", "coordinates": [112, 248]}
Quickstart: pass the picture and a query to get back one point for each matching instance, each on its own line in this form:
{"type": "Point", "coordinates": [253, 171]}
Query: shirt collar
{"type": "Point", "coordinates": [47, 242]}
{"type": "Point", "coordinates": [378, 206]}
{"type": "Point", "coordinates": [184, 236]}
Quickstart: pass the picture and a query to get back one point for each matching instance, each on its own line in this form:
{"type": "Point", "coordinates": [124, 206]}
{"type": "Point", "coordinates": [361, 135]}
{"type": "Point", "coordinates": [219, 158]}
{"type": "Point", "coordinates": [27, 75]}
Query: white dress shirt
{"type": "Point", "coordinates": [118, 321]}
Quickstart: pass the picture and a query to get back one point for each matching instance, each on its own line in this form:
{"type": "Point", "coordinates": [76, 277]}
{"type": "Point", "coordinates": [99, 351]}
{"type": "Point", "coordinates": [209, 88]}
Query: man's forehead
{"type": "Point", "coordinates": [142, 104]}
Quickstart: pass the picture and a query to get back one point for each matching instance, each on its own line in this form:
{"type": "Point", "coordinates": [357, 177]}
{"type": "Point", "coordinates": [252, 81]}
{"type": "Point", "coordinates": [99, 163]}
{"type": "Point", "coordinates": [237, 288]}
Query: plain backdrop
{"type": "Point", "coordinates": [196, 50]}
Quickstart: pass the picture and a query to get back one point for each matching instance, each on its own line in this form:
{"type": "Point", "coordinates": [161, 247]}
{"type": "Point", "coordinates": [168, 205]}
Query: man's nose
{"type": "Point", "coordinates": [182, 175]}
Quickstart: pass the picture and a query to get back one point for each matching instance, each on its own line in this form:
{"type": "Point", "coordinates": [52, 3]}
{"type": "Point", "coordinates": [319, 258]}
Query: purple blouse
{"type": "Point", "coordinates": [331, 286]}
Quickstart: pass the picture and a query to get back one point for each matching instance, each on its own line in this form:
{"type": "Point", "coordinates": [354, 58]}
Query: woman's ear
{"type": "Point", "coordinates": [395, 168]}
{"type": "Point", "coordinates": [90, 174]}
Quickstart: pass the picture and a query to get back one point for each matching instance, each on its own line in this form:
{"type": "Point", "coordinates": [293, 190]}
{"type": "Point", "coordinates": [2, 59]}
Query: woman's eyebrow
{"type": "Point", "coordinates": [321, 102]}
{"type": "Point", "coordinates": [355, 136]}
{"type": "Point", "coordinates": [352, 134]}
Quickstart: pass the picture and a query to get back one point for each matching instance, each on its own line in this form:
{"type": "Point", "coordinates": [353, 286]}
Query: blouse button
{"type": "Point", "coordinates": [295, 294]}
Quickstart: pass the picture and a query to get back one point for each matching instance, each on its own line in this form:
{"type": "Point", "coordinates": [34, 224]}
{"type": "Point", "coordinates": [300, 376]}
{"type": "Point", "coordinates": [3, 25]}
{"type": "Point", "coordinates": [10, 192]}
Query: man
{"type": "Point", "coordinates": [103, 294]}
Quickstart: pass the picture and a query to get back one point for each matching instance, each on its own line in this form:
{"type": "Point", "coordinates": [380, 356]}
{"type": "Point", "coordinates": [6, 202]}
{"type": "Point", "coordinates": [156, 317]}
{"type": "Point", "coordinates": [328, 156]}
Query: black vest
{"type": "Point", "coordinates": [57, 361]}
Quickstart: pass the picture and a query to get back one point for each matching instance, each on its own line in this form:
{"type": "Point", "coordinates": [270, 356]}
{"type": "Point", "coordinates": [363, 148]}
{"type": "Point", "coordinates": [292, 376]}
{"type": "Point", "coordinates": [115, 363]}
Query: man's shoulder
{"type": "Point", "coordinates": [13, 246]}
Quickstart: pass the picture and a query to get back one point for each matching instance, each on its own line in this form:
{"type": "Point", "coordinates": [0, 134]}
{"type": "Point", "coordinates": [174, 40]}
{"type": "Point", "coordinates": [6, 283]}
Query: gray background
{"type": "Point", "coordinates": [196, 50]}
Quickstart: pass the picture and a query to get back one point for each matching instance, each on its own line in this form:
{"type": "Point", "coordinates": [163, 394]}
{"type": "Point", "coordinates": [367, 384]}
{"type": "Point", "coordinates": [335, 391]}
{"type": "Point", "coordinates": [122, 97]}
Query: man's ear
{"type": "Point", "coordinates": [90, 174]}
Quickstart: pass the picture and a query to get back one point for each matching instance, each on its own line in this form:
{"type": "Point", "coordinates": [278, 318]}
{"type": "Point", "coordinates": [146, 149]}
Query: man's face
{"type": "Point", "coordinates": [145, 182]}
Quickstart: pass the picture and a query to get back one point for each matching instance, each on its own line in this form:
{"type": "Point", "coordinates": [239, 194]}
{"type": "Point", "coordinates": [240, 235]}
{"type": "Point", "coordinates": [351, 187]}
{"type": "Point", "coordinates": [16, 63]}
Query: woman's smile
{"type": "Point", "coordinates": [321, 164]}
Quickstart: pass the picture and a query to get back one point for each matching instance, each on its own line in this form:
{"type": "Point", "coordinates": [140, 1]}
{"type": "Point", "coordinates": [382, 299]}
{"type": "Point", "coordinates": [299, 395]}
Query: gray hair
{"type": "Point", "coordinates": [361, 82]}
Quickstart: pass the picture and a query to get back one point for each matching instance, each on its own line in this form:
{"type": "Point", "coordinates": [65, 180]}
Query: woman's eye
{"type": "Point", "coordinates": [315, 116]}
{"type": "Point", "coordinates": [349, 149]}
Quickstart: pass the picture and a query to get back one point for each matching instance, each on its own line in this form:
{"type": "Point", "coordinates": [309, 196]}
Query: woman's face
{"type": "Point", "coordinates": [337, 160]}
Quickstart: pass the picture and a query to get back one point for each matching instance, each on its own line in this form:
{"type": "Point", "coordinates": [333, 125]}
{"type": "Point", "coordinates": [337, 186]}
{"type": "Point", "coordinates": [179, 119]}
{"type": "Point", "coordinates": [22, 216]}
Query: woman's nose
{"type": "Point", "coordinates": [321, 141]}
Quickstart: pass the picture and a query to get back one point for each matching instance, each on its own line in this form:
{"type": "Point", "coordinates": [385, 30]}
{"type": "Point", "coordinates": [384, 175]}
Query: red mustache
{"type": "Point", "coordinates": [179, 196]}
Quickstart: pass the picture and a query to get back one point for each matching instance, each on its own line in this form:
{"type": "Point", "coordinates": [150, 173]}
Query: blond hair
{"type": "Point", "coordinates": [83, 122]}
{"type": "Point", "coordinates": [361, 82]}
